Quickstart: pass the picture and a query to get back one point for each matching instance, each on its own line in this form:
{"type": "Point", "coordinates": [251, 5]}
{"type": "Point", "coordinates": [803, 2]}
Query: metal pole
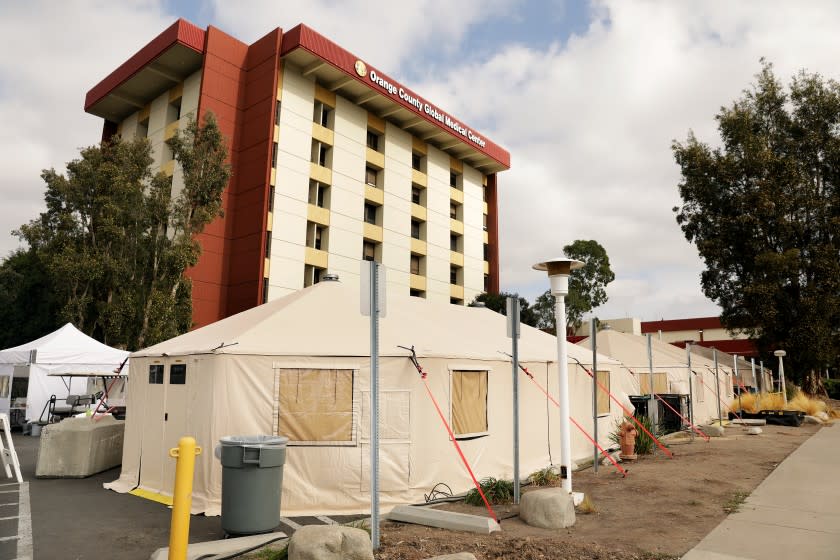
{"type": "Point", "coordinates": [563, 379]}
{"type": "Point", "coordinates": [374, 404]}
{"type": "Point", "coordinates": [755, 379]}
{"type": "Point", "coordinates": [737, 382]}
{"type": "Point", "coordinates": [763, 378]}
{"type": "Point", "coordinates": [690, 388]}
{"type": "Point", "coordinates": [653, 408]}
{"type": "Point", "coordinates": [514, 308]}
{"type": "Point", "coordinates": [782, 378]}
{"type": "Point", "coordinates": [594, 335]}
{"type": "Point", "coordinates": [717, 385]}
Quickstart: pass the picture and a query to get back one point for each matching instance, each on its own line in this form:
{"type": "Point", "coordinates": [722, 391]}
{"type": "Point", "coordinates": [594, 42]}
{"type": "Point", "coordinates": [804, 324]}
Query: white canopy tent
{"type": "Point", "coordinates": [299, 366]}
{"type": "Point", "coordinates": [45, 362]}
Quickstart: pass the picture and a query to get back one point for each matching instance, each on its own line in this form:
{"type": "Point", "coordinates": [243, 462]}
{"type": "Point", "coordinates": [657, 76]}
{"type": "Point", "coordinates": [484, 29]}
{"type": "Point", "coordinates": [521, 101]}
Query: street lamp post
{"type": "Point", "coordinates": [558, 275]}
{"type": "Point", "coordinates": [781, 355]}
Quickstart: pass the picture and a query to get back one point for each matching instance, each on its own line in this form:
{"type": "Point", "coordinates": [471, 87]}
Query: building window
{"type": "Point", "coordinates": [418, 162]}
{"type": "Point", "coordinates": [156, 374]}
{"type": "Point", "coordinates": [373, 140]}
{"type": "Point", "coordinates": [486, 252]}
{"type": "Point", "coordinates": [486, 282]}
{"type": "Point", "coordinates": [484, 222]}
{"type": "Point", "coordinates": [455, 210]}
{"type": "Point", "coordinates": [173, 111]}
{"type": "Point", "coordinates": [416, 293]}
{"type": "Point", "coordinates": [314, 405]}
{"type": "Point", "coordinates": [454, 274]}
{"type": "Point", "coordinates": [268, 244]}
{"type": "Point", "coordinates": [316, 236]}
{"type": "Point", "coordinates": [415, 194]}
{"type": "Point", "coordinates": [321, 154]}
{"type": "Point", "coordinates": [456, 301]}
{"type": "Point", "coordinates": [372, 176]}
{"type": "Point", "coordinates": [469, 403]}
{"type": "Point", "coordinates": [455, 242]}
{"type": "Point", "coordinates": [143, 128]}
{"type": "Point", "coordinates": [312, 275]}
{"type": "Point", "coordinates": [318, 194]}
{"type": "Point", "coordinates": [322, 114]}
{"type": "Point", "coordinates": [265, 290]}
{"type": "Point", "coordinates": [277, 112]}
{"type": "Point", "coordinates": [178, 374]}
{"type": "Point", "coordinates": [271, 198]}
{"type": "Point", "coordinates": [416, 229]}
{"type": "Point", "coordinates": [603, 399]}
{"type": "Point", "coordinates": [274, 155]}
{"type": "Point", "coordinates": [453, 179]}
{"type": "Point", "coordinates": [416, 262]}
{"type": "Point", "coordinates": [369, 251]}
{"type": "Point", "coordinates": [371, 213]}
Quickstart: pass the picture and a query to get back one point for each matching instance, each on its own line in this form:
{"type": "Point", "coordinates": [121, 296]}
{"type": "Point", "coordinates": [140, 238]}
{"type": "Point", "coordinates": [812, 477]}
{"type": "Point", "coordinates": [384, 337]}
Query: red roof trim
{"type": "Point", "coordinates": [693, 324]}
{"type": "Point", "coordinates": [181, 32]}
{"type": "Point", "coordinates": [304, 37]}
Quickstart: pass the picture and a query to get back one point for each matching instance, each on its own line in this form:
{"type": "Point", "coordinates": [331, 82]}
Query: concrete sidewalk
{"type": "Point", "coordinates": [794, 513]}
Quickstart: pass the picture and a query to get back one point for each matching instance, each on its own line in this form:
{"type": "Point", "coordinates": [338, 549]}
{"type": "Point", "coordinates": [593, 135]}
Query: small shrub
{"type": "Point", "coordinates": [587, 506]}
{"type": "Point", "coordinates": [496, 490]}
{"type": "Point", "coordinates": [832, 387]}
{"type": "Point", "coordinates": [549, 476]}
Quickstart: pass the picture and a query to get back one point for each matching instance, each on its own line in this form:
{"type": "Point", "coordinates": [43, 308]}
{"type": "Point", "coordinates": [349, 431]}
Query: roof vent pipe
{"type": "Point", "coordinates": [331, 277]}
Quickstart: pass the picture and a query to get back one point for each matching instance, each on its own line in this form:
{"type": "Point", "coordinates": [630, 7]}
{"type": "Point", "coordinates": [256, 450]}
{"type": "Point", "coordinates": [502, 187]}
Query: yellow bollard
{"type": "Point", "coordinates": [179, 530]}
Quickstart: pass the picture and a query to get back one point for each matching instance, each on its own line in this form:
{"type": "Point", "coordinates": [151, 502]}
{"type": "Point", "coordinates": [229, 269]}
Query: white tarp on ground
{"type": "Point", "coordinates": [299, 366]}
{"type": "Point", "coordinates": [670, 367]}
{"type": "Point", "coordinates": [66, 350]}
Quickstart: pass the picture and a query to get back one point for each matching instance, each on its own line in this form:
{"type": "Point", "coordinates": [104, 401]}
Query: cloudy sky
{"type": "Point", "coordinates": [587, 97]}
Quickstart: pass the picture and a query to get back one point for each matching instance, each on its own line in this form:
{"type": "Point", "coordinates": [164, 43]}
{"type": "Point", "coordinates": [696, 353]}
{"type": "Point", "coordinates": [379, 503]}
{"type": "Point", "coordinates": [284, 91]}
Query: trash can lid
{"type": "Point", "coordinates": [254, 441]}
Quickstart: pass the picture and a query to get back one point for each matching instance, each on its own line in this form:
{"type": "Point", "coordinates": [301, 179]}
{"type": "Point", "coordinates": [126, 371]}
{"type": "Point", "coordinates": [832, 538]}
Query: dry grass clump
{"type": "Point", "coordinates": [587, 506]}
{"type": "Point", "coordinates": [751, 402]}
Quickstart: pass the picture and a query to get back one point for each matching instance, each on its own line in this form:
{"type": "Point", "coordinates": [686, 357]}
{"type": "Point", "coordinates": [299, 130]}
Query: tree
{"type": "Point", "coordinates": [498, 303]}
{"type": "Point", "coordinates": [587, 286]}
{"type": "Point", "coordinates": [30, 309]}
{"type": "Point", "coordinates": [763, 209]}
{"type": "Point", "coordinates": [115, 241]}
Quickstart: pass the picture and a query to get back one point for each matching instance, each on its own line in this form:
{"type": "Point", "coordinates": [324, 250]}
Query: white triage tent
{"type": "Point", "coordinates": [299, 367]}
{"type": "Point", "coordinates": [59, 364]}
{"type": "Point", "coordinates": [670, 371]}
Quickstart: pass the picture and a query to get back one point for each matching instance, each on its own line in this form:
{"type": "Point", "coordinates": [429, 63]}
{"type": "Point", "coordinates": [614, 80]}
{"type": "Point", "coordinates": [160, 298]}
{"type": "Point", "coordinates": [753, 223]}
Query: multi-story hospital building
{"type": "Point", "coordinates": [332, 162]}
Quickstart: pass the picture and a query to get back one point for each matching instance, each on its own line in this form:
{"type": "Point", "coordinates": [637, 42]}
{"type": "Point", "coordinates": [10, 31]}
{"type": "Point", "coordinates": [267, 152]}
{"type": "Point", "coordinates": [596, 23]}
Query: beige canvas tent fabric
{"type": "Point", "coordinates": [299, 367]}
{"type": "Point", "coordinates": [670, 371]}
{"type": "Point", "coordinates": [745, 373]}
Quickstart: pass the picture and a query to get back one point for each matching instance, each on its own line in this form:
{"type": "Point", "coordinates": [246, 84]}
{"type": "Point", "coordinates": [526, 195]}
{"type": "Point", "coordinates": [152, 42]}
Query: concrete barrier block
{"type": "Point", "coordinates": [443, 519]}
{"type": "Point", "coordinates": [80, 447]}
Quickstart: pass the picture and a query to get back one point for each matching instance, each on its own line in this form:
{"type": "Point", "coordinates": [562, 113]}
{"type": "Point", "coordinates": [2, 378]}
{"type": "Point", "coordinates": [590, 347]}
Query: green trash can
{"type": "Point", "coordinates": [252, 478]}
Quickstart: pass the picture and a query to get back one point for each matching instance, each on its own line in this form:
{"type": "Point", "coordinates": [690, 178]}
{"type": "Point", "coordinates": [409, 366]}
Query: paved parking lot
{"type": "Point", "coordinates": [76, 519]}
{"type": "Point", "coordinates": [15, 521]}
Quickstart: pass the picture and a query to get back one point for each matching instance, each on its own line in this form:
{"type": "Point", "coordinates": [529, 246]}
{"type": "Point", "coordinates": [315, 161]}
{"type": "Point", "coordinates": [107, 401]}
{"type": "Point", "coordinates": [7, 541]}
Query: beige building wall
{"type": "Point", "coordinates": [344, 216]}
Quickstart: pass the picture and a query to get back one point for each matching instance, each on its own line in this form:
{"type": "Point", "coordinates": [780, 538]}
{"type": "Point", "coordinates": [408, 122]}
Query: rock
{"type": "Point", "coordinates": [811, 420]}
{"type": "Point", "coordinates": [823, 415]}
{"type": "Point", "coordinates": [713, 430]}
{"type": "Point", "coordinates": [549, 508]}
{"type": "Point", "coordinates": [675, 436]}
{"type": "Point", "coordinates": [330, 542]}
{"type": "Point", "coordinates": [615, 455]}
{"type": "Point", "coordinates": [459, 556]}
{"type": "Point", "coordinates": [754, 431]}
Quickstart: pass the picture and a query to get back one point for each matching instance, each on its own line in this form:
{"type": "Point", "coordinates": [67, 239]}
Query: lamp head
{"type": "Point", "coordinates": [780, 353]}
{"type": "Point", "coordinates": [558, 274]}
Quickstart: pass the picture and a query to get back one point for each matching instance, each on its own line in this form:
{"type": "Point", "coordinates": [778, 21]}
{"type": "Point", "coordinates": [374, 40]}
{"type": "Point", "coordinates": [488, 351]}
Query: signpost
{"type": "Point", "coordinates": [372, 304]}
{"type": "Point", "coordinates": [513, 332]}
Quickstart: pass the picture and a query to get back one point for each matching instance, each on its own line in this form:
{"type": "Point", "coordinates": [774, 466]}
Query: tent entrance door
{"type": "Point", "coordinates": [152, 422]}
{"type": "Point", "coordinates": [179, 377]}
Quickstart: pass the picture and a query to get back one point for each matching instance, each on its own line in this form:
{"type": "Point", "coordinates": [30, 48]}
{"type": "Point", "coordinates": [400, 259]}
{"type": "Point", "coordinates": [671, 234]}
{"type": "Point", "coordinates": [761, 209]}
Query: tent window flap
{"type": "Point", "coordinates": [660, 382]}
{"type": "Point", "coordinates": [156, 374]}
{"type": "Point", "coordinates": [603, 399]}
{"type": "Point", "coordinates": [469, 403]}
{"type": "Point", "coordinates": [314, 405]}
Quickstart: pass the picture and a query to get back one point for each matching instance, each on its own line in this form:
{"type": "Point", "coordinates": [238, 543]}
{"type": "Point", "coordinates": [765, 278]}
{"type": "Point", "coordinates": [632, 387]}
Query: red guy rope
{"type": "Point", "coordinates": [458, 448]}
{"type": "Point", "coordinates": [579, 427]}
{"type": "Point", "coordinates": [627, 412]}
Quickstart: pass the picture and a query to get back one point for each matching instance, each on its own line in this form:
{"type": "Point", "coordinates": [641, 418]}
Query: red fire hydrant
{"type": "Point", "coordinates": [627, 441]}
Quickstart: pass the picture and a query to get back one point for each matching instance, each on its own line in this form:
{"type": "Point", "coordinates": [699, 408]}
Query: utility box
{"type": "Point", "coordinates": [252, 481]}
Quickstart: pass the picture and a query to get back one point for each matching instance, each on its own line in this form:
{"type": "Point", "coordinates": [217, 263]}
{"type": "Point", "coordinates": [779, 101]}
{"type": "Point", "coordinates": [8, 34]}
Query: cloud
{"type": "Point", "coordinates": [589, 124]}
{"type": "Point", "coordinates": [588, 118]}
{"type": "Point", "coordinates": [55, 52]}
{"type": "Point", "coordinates": [391, 34]}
